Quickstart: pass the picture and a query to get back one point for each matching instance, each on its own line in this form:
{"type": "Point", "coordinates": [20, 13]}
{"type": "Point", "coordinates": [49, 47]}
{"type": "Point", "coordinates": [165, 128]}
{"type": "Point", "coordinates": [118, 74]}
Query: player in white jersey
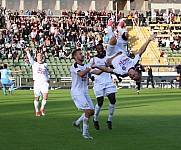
{"type": "Point", "coordinates": [103, 86]}
{"type": "Point", "coordinates": [122, 40]}
{"type": "Point", "coordinates": [41, 81]}
{"type": "Point", "coordinates": [41, 95]}
{"type": "Point", "coordinates": [5, 79]}
{"type": "Point", "coordinates": [79, 91]}
{"type": "Point", "coordinates": [123, 65]}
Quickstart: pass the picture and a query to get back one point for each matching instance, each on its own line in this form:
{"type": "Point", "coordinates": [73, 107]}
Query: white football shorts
{"type": "Point", "coordinates": [104, 91]}
{"type": "Point", "coordinates": [83, 101]}
{"type": "Point", "coordinates": [40, 87]}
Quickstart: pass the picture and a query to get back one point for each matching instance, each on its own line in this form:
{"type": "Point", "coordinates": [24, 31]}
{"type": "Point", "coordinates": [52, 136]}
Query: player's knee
{"type": "Point", "coordinates": [100, 101]}
{"type": "Point", "coordinates": [36, 98]}
{"type": "Point", "coordinates": [45, 96]}
{"type": "Point", "coordinates": [112, 98]}
{"type": "Point", "coordinates": [89, 113]}
{"type": "Point", "coordinates": [113, 41]}
{"type": "Point", "coordinates": [113, 101]}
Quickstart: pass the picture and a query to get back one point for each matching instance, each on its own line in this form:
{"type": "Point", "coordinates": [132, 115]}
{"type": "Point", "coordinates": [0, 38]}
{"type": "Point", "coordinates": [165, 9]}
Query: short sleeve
{"type": "Point", "coordinates": [74, 70]}
{"type": "Point", "coordinates": [116, 71]}
{"type": "Point", "coordinates": [136, 59]}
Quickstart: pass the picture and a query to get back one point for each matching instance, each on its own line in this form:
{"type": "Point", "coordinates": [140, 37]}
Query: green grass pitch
{"type": "Point", "coordinates": [148, 121]}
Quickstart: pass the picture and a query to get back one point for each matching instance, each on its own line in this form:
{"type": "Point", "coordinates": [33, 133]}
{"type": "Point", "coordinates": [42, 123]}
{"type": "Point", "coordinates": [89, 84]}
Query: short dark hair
{"type": "Point", "coordinates": [100, 45]}
{"type": "Point", "coordinates": [75, 52]}
{"type": "Point", "coordinates": [5, 66]}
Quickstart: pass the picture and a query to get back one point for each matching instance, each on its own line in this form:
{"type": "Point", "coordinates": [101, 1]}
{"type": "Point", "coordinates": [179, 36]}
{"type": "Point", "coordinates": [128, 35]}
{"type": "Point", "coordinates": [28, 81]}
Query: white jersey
{"type": "Point", "coordinates": [103, 77]}
{"type": "Point", "coordinates": [40, 71]}
{"type": "Point", "coordinates": [79, 84]}
{"type": "Point", "coordinates": [122, 63]}
{"type": "Point", "coordinates": [5, 75]}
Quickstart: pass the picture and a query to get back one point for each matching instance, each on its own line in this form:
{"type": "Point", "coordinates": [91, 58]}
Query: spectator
{"type": "Point", "coordinates": [136, 18]}
{"type": "Point", "coordinates": [15, 56]}
{"type": "Point", "coordinates": [176, 45]}
{"type": "Point", "coordinates": [130, 17]}
{"type": "Point", "coordinates": [178, 67]}
{"type": "Point", "coordinates": [49, 13]}
{"type": "Point", "coordinates": [150, 76]}
{"type": "Point", "coordinates": [9, 55]}
{"type": "Point", "coordinates": [167, 43]}
{"type": "Point", "coordinates": [61, 54]}
{"type": "Point", "coordinates": [140, 69]}
{"type": "Point", "coordinates": [28, 13]}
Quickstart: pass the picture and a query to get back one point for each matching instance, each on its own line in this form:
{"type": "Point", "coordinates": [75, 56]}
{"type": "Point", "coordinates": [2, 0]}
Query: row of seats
{"type": "Point", "coordinates": [173, 56]}
{"type": "Point", "coordinates": [56, 67]}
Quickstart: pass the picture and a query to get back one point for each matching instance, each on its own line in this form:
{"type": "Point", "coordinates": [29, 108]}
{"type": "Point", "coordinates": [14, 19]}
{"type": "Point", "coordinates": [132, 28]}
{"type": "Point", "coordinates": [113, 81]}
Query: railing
{"type": "Point", "coordinates": [65, 82]}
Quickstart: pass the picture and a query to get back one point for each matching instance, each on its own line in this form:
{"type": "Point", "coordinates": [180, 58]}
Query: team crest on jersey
{"type": "Point", "coordinates": [123, 68]}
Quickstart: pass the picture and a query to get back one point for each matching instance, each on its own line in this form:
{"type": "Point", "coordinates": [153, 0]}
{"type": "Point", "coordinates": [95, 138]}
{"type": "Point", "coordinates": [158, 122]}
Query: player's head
{"type": "Point", "coordinates": [78, 55]}
{"type": "Point", "coordinates": [5, 66]}
{"type": "Point", "coordinates": [100, 49]}
{"type": "Point", "coordinates": [148, 67]}
{"type": "Point", "coordinates": [39, 57]}
{"type": "Point", "coordinates": [134, 75]}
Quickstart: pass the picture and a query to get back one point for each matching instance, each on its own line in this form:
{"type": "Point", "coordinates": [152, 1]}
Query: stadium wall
{"type": "Point", "coordinates": [166, 4]}
{"type": "Point", "coordinates": [56, 4]}
{"type": "Point", "coordinates": [75, 4]}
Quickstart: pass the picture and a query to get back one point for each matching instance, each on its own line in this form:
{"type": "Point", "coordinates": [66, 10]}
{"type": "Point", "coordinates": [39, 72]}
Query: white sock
{"type": "Point", "coordinates": [96, 113]}
{"type": "Point", "coordinates": [80, 119]}
{"type": "Point", "coordinates": [111, 112]}
{"type": "Point", "coordinates": [85, 125]}
{"type": "Point", "coordinates": [119, 29]}
{"type": "Point", "coordinates": [43, 103]}
{"type": "Point", "coordinates": [110, 32]}
{"type": "Point", "coordinates": [110, 51]}
{"type": "Point", "coordinates": [36, 105]}
{"type": "Point", "coordinates": [120, 46]}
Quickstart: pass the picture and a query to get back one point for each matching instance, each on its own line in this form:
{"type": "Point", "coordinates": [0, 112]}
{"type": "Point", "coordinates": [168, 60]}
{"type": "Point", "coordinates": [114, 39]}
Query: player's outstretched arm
{"type": "Point", "coordinates": [103, 68]}
{"type": "Point", "coordinates": [144, 46]}
{"type": "Point", "coordinates": [97, 72]}
{"type": "Point", "coordinates": [29, 56]}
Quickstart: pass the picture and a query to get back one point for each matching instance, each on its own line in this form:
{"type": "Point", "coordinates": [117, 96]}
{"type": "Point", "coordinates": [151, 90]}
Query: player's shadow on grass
{"type": "Point", "coordinates": [126, 107]}
{"type": "Point", "coordinates": [131, 106]}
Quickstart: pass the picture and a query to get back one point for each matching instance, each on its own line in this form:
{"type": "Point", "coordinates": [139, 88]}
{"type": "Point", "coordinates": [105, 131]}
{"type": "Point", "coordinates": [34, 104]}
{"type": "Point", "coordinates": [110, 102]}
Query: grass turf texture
{"type": "Point", "coordinates": [148, 121]}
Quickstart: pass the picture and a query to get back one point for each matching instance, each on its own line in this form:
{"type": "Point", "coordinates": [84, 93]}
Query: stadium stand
{"type": "Point", "coordinates": [57, 36]}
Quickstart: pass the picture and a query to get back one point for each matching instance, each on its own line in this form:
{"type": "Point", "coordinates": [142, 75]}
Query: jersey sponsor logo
{"type": "Point", "coordinates": [41, 70]}
{"type": "Point", "coordinates": [124, 61]}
